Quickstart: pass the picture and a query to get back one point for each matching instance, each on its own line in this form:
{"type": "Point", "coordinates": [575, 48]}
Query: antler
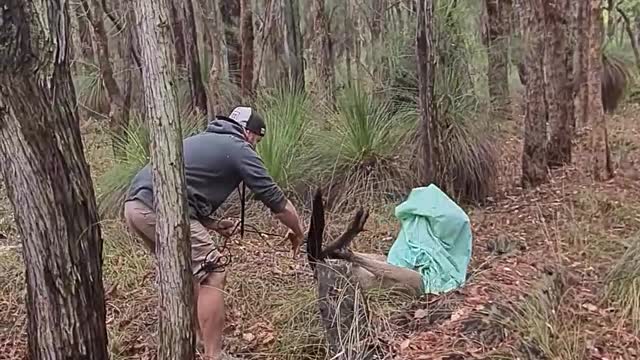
{"type": "Point", "coordinates": [343, 241]}
{"type": "Point", "coordinates": [316, 230]}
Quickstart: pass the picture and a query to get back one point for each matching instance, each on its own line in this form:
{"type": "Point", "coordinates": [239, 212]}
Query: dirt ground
{"type": "Point", "coordinates": [536, 286]}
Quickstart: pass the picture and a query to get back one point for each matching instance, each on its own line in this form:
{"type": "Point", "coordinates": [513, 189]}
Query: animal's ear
{"type": "Point", "coordinates": [316, 230]}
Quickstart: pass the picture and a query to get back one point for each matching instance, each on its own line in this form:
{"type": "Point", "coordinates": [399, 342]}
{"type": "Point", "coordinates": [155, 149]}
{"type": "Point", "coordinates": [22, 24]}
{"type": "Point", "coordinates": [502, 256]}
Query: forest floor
{"type": "Point", "coordinates": [538, 282]}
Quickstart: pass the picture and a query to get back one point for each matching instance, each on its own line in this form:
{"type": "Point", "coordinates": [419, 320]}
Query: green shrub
{"type": "Point", "coordinates": [286, 149]}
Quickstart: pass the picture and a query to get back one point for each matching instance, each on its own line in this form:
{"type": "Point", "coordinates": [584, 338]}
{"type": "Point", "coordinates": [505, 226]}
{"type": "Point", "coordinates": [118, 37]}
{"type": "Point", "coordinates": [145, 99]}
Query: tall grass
{"type": "Point", "coordinates": [287, 148]}
{"type": "Point", "coordinates": [134, 144]}
{"type": "Point", "coordinates": [361, 147]}
{"type": "Point", "coordinates": [623, 285]}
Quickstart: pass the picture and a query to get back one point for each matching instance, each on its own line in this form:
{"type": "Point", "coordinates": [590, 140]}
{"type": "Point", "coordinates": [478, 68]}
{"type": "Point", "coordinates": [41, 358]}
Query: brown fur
{"type": "Point", "coordinates": [615, 77]}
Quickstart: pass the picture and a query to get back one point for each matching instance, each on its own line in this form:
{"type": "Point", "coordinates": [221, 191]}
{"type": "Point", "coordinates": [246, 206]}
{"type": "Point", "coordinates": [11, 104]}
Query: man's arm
{"type": "Point", "coordinates": [255, 176]}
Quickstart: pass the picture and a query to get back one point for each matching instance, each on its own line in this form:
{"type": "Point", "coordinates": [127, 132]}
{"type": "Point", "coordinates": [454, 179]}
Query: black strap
{"type": "Point", "coordinates": [241, 191]}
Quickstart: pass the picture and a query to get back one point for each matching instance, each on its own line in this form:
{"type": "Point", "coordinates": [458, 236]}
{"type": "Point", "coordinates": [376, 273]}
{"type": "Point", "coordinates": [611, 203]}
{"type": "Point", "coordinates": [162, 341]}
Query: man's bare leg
{"type": "Point", "coordinates": [210, 308]}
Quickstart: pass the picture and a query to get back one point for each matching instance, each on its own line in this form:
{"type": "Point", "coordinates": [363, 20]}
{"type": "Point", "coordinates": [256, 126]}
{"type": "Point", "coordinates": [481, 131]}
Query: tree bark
{"type": "Point", "coordinates": [498, 14]}
{"type": "Point", "coordinates": [559, 94]}
{"type": "Point", "coordinates": [534, 162]}
{"type": "Point", "coordinates": [179, 27]}
{"type": "Point", "coordinates": [293, 46]}
{"type": "Point", "coordinates": [84, 30]}
{"type": "Point", "coordinates": [196, 84]}
{"type": "Point", "coordinates": [216, 43]}
{"type": "Point", "coordinates": [230, 10]}
{"type": "Point", "coordinates": [246, 36]}
{"type": "Point", "coordinates": [176, 336]}
{"type": "Point", "coordinates": [600, 154]}
{"type": "Point", "coordinates": [323, 53]}
{"type": "Point", "coordinates": [49, 184]}
{"type": "Point", "coordinates": [426, 80]}
{"type": "Point", "coordinates": [118, 114]}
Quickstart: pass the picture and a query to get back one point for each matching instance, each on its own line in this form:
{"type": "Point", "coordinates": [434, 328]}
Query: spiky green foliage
{"type": "Point", "coordinates": [623, 285]}
{"type": "Point", "coordinates": [286, 149]}
{"type": "Point", "coordinates": [362, 145]}
{"type": "Point", "coordinates": [134, 143]}
{"type": "Point", "coordinates": [467, 147]}
{"type": "Point", "coordinates": [91, 91]}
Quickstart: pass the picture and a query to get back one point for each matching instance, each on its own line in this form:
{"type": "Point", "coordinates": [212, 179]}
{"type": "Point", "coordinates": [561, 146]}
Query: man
{"type": "Point", "coordinates": [215, 161]}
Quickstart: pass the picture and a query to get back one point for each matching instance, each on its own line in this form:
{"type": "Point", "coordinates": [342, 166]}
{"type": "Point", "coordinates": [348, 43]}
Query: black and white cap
{"type": "Point", "coordinates": [250, 119]}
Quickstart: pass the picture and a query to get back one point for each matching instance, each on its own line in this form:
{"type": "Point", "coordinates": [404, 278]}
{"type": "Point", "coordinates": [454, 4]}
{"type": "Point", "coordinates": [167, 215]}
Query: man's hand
{"type": "Point", "coordinates": [296, 241]}
{"type": "Point", "coordinates": [225, 227]}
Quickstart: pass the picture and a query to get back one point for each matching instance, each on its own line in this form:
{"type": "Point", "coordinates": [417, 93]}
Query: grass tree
{"type": "Point", "coordinates": [176, 332]}
{"type": "Point", "coordinates": [49, 184]}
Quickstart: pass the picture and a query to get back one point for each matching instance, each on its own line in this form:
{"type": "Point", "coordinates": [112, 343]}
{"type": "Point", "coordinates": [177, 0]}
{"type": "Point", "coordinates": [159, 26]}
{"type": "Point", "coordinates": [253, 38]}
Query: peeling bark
{"type": "Point", "coordinates": [49, 185]}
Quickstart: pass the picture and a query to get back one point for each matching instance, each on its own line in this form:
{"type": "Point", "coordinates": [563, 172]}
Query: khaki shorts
{"type": "Point", "coordinates": [142, 221]}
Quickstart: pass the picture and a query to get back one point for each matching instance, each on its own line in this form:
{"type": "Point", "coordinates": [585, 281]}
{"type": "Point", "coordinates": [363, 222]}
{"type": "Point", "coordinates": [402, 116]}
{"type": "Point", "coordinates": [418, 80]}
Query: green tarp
{"type": "Point", "coordinates": [435, 239]}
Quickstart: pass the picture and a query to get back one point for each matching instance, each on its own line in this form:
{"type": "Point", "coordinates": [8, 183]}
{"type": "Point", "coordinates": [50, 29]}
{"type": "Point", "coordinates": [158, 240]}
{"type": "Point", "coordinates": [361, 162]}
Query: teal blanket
{"type": "Point", "coordinates": [435, 239]}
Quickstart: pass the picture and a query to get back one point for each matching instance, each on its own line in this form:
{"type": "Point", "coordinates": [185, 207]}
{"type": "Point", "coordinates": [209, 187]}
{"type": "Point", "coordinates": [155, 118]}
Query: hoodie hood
{"type": "Point", "coordinates": [227, 126]}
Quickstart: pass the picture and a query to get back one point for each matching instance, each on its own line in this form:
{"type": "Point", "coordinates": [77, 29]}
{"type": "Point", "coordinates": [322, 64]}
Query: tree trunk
{"type": "Point", "coordinates": [179, 26]}
{"type": "Point", "coordinates": [498, 14]}
{"type": "Point", "coordinates": [176, 336]}
{"type": "Point", "coordinates": [215, 45]}
{"type": "Point", "coordinates": [230, 10]}
{"type": "Point", "coordinates": [118, 118]}
{"type": "Point", "coordinates": [534, 162]}
{"type": "Point", "coordinates": [426, 78]}
{"type": "Point", "coordinates": [293, 46]}
{"type": "Point", "coordinates": [581, 64]}
{"type": "Point", "coordinates": [559, 99]}
{"type": "Point", "coordinates": [196, 85]}
{"type": "Point", "coordinates": [49, 184]}
{"type": "Point", "coordinates": [323, 53]}
{"type": "Point", "coordinates": [246, 36]}
{"type": "Point", "coordinates": [600, 154]}
{"type": "Point", "coordinates": [84, 30]}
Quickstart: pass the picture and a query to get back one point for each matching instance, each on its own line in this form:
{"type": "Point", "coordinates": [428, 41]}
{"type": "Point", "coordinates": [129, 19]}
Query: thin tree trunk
{"type": "Point", "coordinates": [246, 36]}
{"type": "Point", "coordinates": [293, 44]}
{"type": "Point", "coordinates": [84, 30]}
{"type": "Point", "coordinates": [176, 335]}
{"type": "Point", "coordinates": [179, 26]}
{"type": "Point", "coordinates": [348, 41]}
{"type": "Point", "coordinates": [323, 53]}
{"type": "Point", "coordinates": [581, 65]}
{"type": "Point", "coordinates": [498, 55]}
{"type": "Point", "coordinates": [118, 118]}
{"type": "Point", "coordinates": [632, 38]}
{"type": "Point", "coordinates": [559, 93]}
{"type": "Point", "coordinates": [534, 162]}
{"type": "Point", "coordinates": [426, 79]}
{"type": "Point", "coordinates": [230, 10]}
{"type": "Point", "coordinates": [49, 184]}
{"type": "Point", "coordinates": [218, 70]}
{"type": "Point", "coordinates": [600, 153]}
{"type": "Point", "coordinates": [196, 85]}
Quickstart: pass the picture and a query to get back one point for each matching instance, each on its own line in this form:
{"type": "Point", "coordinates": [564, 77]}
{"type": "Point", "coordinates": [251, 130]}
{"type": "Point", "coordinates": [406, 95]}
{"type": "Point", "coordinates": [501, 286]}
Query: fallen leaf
{"type": "Point", "coordinates": [248, 337]}
{"type": "Point", "coordinates": [420, 314]}
{"type": "Point", "coordinates": [405, 344]}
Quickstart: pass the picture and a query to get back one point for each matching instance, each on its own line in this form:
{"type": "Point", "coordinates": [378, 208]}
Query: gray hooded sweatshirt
{"type": "Point", "coordinates": [215, 162]}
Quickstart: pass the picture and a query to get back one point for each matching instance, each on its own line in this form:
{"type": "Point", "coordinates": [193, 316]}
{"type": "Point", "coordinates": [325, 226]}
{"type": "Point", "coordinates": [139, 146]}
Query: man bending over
{"type": "Point", "coordinates": [215, 162]}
